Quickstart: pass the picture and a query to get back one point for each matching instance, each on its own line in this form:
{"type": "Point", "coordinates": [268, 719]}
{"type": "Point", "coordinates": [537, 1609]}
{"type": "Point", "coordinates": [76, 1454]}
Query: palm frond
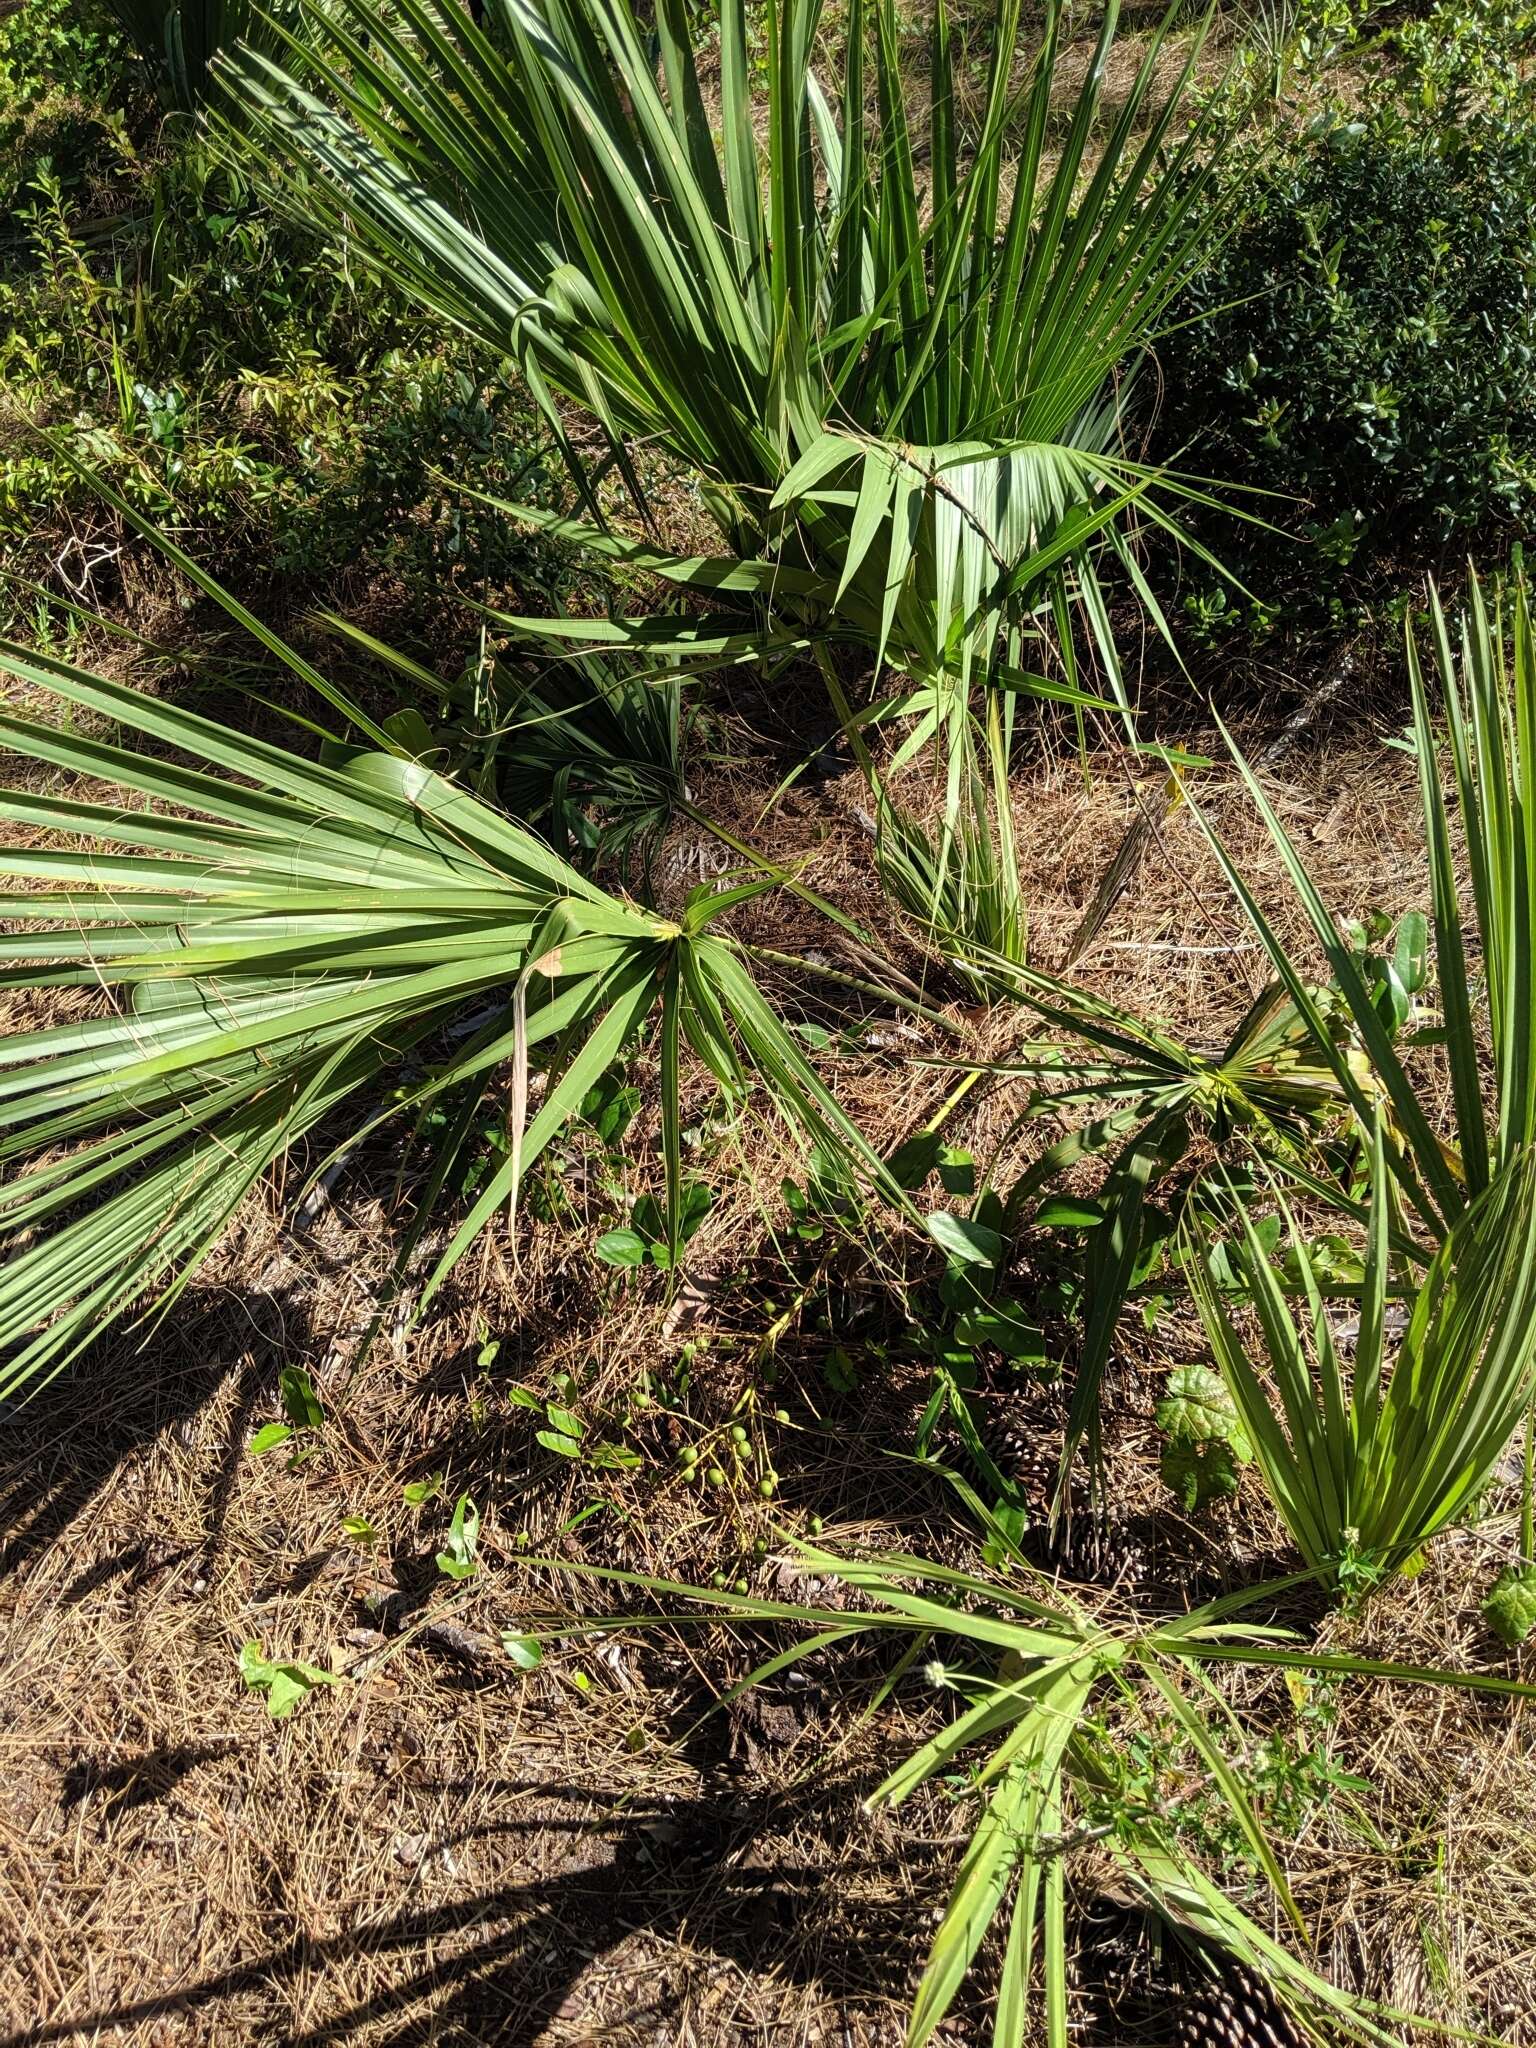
{"type": "Point", "coordinates": [1037, 1682]}
{"type": "Point", "coordinates": [1487, 672]}
{"type": "Point", "coordinates": [905, 400]}
{"type": "Point", "coordinates": [259, 938]}
{"type": "Point", "coordinates": [178, 39]}
{"type": "Point", "coordinates": [1367, 1466]}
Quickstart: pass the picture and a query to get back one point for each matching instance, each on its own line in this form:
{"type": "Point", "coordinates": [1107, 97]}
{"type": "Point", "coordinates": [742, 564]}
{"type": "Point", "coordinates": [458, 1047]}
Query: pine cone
{"type": "Point", "coordinates": [1101, 1547]}
{"type": "Point", "coordinates": [1238, 2010]}
{"type": "Point", "coordinates": [1092, 1544]}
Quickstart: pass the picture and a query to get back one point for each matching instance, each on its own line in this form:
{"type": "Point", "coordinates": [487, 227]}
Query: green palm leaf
{"type": "Point", "coordinates": [903, 398]}
{"type": "Point", "coordinates": [262, 938]}
{"type": "Point", "coordinates": [1365, 1473]}
{"type": "Point", "coordinates": [1487, 673]}
{"type": "Point", "coordinates": [1036, 1681]}
{"type": "Point", "coordinates": [178, 39]}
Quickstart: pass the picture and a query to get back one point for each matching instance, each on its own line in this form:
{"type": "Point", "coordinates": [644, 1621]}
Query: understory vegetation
{"type": "Point", "coordinates": [768, 832]}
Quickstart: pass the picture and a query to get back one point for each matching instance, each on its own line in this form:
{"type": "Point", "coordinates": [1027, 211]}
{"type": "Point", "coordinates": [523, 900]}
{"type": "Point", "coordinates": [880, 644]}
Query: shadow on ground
{"type": "Point", "coordinates": [499, 1966]}
{"type": "Point", "coordinates": [126, 1395]}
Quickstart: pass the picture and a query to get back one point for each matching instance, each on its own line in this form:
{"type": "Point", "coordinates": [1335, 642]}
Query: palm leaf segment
{"type": "Point", "coordinates": [1486, 669]}
{"type": "Point", "coordinates": [1367, 1465]}
{"type": "Point", "coordinates": [273, 936]}
{"type": "Point", "coordinates": [178, 39]}
{"type": "Point", "coordinates": [1042, 1689]}
{"type": "Point", "coordinates": [894, 398]}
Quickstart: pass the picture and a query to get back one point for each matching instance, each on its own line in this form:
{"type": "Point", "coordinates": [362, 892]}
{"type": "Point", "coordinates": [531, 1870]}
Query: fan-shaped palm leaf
{"type": "Point", "coordinates": [895, 396]}
{"type": "Point", "coordinates": [261, 937]}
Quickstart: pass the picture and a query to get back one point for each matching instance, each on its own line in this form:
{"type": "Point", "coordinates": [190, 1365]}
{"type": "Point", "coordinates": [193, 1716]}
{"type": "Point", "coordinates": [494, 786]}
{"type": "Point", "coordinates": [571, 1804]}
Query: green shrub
{"type": "Point", "coordinates": [53, 43]}
{"type": "Point", "coordinates": [1366, 342]}
{"type": "Point", "coordinates": [229, 371]}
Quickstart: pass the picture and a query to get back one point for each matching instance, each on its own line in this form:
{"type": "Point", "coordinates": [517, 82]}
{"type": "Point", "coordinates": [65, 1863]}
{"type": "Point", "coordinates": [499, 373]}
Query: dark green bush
{"type": "Point", "coordinates": [1366, 341]}
{"type": "Point", "coordinates": [224, 364]}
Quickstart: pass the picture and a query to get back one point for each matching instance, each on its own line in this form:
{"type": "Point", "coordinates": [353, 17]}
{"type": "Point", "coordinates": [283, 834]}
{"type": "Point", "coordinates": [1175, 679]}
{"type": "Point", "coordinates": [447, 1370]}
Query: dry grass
{"type": "Point", "coordinates": [444, 1850]}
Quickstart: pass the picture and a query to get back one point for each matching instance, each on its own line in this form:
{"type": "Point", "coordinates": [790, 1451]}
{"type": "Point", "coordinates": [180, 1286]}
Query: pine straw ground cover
{"type": "Point", "coordinates": [447, 1849]}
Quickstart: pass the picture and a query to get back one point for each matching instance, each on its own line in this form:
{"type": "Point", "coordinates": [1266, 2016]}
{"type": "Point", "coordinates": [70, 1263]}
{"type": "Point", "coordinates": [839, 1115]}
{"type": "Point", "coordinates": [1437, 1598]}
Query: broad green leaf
{"type": "Point", "coordinates": [971, 1243]}
{"type": "Point", "coordinates": [300, 1401]}
{"type": "Point", "coordinates": [1510, 1607]}
{"type": "Point", "coordinates": [621, 1248]}
{"type": "Point", "coordinates": [525, 1651]}
{"type": "Point", "coordinates": [1065, 1212]}
{"type": "Point", "coordinates": [285, 1684]}
{"type": "Point", "coordinates": [1198, 1409]}
{"type": "Point", "coordinates": [558, 1441]}
{"type": "Point", "coordinates": [1005, 1325]}
{"type": "Point", "coordinates": [1197, 1473]}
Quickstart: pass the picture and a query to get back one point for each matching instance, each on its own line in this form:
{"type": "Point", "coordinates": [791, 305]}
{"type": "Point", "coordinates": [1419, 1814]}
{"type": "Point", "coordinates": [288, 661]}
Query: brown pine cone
{"type": "Point", "coordinates": [1237, 2010]}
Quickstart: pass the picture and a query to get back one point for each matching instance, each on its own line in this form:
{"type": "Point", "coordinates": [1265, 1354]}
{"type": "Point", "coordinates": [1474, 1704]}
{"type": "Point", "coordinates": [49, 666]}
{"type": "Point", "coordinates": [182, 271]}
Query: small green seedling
{"type": "Point", "coordinates": [284, 1683]}
{"type": "Point", "coordinates": [564, 1431]}
{"type": "Point", "coordinates": [646, 1236]}
{"type": "Point", "coordinates": [418, 1492]}
{"type": "Point", "coordinates": [301, 1404]}
{"type": "Point", "coordinates": [804, 1219]}
{"type": "Point", "coordinates": [458, 1559]}
{"type": "Point", "coordinates": [526, 1652]}
{"type": "Point", "coordinates": [1510, 1608]}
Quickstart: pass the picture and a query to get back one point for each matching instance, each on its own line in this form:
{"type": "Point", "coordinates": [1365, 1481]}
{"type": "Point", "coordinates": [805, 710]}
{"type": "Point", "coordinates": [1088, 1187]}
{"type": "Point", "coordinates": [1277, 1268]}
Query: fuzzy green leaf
{"type": "Point", "coordinates": [1197, 1473]}
{"type": "Point", "coordinates": [1197, 1409]}
{"type": "Point", "coordinates": [1510, 1608]}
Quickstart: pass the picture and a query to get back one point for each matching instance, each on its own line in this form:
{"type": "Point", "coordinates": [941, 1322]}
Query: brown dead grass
{"type": "Point", "coordinates": [444, 1850]}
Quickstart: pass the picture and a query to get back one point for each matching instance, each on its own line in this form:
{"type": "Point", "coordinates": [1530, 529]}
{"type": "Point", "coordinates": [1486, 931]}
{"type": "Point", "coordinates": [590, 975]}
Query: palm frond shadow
{"type": "Point", "coordinates": [65, 1446]}
{"type": "Point", "coordinates": [665, 1868]}
{"type": "Point", "coordinates": [120, 1784]}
